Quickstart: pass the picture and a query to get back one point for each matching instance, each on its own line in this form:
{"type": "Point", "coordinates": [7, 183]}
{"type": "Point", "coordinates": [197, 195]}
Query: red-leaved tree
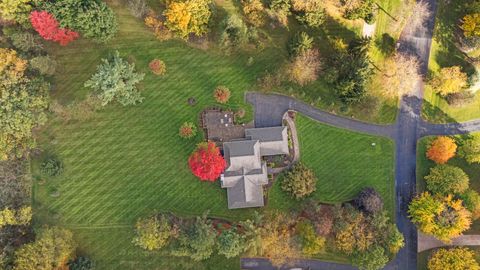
{"type": "Point", "coordinates": [206, 162]}
{"type": "Point", "coordinates": [48, 28]}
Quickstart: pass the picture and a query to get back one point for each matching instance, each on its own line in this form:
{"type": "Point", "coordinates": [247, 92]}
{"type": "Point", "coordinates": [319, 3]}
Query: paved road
{"type": "Point", "coordinates": [408, 128]}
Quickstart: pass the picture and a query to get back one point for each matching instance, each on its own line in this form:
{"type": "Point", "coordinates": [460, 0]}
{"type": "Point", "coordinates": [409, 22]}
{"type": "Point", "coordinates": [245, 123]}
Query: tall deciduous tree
{"type": "Point", "coordinates": [450, 80]}
{"type": "Point", "coordinates": [400, 75]}
{"type": "Point", "coordinates": [23, 105]}
{"type": "Point", "coordinates": [92, 18]}
{"type": "Point", "coordinates": [442, 149]}
{"type": "Point", "coordinates": [453, 259]}
{"type": "Point", "coordinates": [277, 242]}
{"type": "Point", "coordinates": [116, 79]}
{"type": "Point", "coordinates": [447, 179]}
{"type": "Point", "coordinates": [197, 241]}
{"type": "Point", "coordinates": [153, 232]}
{"type": "Point", "coordinates": [16, 10]}
{"type": "Point", "coordinates": [369, 200]}
{"type": "Point", "coordinates": [444, 218]}
{"type": "Point", "coordinates": [470, 149]}
{"type": "Point", "coordinates": [51, 250]}
{"type": "Point", "coordinates": [206, 162]}
{"type": "Point", "coordinates": [230, 243]}
{"type": "Point", "coordinates": [299, 182]}
{"type": "Point", "coordinates": [188, 17]}
{"type": "Point", "coordinates": [48, 28]}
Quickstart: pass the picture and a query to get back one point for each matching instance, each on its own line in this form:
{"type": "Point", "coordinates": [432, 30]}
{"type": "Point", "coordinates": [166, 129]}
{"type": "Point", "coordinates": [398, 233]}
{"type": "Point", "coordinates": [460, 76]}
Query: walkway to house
{"type": "Point", "coordinates": [426, 242]}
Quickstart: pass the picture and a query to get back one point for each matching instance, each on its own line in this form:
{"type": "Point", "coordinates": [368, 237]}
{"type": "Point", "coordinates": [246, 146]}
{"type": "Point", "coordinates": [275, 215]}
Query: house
{"type": "Point", "coordinates": [246, 172]}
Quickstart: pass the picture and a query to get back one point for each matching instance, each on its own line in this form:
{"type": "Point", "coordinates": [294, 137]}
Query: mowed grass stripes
{"type": "Point", "coordinates": [129, 162]}
{"type": "Point", "coordinates": [344, 162]}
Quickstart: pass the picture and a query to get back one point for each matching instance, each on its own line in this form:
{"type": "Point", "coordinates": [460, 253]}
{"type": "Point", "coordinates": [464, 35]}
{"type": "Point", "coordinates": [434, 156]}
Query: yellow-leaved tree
{"type": "Point", "coordinates": [16, 10]}
{"type": "Point", "coordinates": [471, 25]}
{"type": "Point", "coordinates": [441, 217]}
{"type": "Point", "coordinates": [453, 259]}
{"type": "Point", "coordinates": [450, 80]}
{"type": "Point", "coordinates": [186, 17]}
{"type": "Point", "coordinates": [23, 103]}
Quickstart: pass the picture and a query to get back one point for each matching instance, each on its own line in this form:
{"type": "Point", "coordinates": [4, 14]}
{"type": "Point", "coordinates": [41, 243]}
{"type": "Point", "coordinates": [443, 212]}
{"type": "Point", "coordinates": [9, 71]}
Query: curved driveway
{"type": "Point", "coordinates": [408, 128]}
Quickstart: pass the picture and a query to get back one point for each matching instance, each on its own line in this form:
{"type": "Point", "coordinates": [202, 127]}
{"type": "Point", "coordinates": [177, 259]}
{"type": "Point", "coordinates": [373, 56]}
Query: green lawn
{"type": "Point", "coordinates": [424, 165]}
{"type": "Point", "coordinates": [344, 163]}
{"type": "Point", "coordinates": [444, 53]}
{"type": "Point", "coordinates": [128, 162]}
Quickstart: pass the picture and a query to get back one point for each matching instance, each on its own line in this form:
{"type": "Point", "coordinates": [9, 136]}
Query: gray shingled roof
{"type": "Point", "coordinates": [246, 173]}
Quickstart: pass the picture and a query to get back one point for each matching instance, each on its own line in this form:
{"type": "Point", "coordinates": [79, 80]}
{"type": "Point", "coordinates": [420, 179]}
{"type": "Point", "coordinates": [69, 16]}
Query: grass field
{"type": "Point", "coordinates": [424, 165]}
{"type": "Point", "coordinates": [128, 162]}
{"type": "Point", "coordinates": [344, 163]}
{"type": "Point", "coordinates": [444, 53]}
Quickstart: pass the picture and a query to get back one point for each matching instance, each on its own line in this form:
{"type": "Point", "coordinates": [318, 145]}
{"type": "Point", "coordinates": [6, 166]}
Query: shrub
{"type": "Point", "coordinates": [370, 201]}
{"type": "Point", "coordinates": [44, 65]}
{"type": "Point", "coordinates": [442, 149]}
{"type": "Point", "coordinates": [48, 28]}
{"type": "Point", "coordinates": [395, 240]}
{"type": "Point", "coordinates": [187, 130]}
{"type": "Point", "coordinates": [94, 19]}
{"type": "Point", "coordinates": [446, 179]}
{"type": "Point", "coordinates": [51, 167]}
{"type": "Point", "coordinates": [460, 99]}
{"type": "Point", "coordinates": [470, 149]}
{"type": "Point", "coordinates": [304, 68]}
{"type": "Point", "coordinates": [81, 263]}
{"type": "Point", "coordinates": [157, 66]}
{"type": "Point", "coordinates": [230, 243]}
{"type": "Point", "coordinates": [453, 258]}
{"type": "Point", "coordinates": [153, 233]}
{"type": "Point", "coordinates": [471, 201]}
{"type": "Point", "coordinates": [221, 94]}
{"type": "Point", "coordinates": [444, 218]}
{"type": "Point", "coordinates": [312, 244]}
{"type": "Point", "coordinates": [206, 162]}
{"type": "Point", "coordinates": [299, 182]}
{"type": "Point", "coordinates": [116, 79]}
{"type": "Point", "coordinates": [254, 12]}
{"type": "Point", "coordinates": [25, 41]}
{"type": "Point", "coordinates": [197, 241]}
{"type": "Point", "coordinates": [299, 44]}
{"type": "Point", "coordinates": [188, 17]}
{"type": "Point", "coordinates": [450, 80]}
{"type": "Point", "coordinates": [138, 8]}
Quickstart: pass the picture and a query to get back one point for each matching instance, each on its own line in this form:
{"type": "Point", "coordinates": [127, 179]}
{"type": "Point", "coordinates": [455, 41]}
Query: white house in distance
{"type": "Point", "coordinates": [246, 172]}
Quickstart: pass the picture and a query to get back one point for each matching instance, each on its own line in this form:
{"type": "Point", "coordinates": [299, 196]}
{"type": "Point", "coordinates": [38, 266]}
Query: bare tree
{"type": "Point", "coordinates": [400, 75]}
{"type": "Point", "coordinates": [418, 20]}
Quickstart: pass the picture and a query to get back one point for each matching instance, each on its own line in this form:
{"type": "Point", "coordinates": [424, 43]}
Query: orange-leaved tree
{"type": "Point", "coordinates": [206, 162]}
{"type": "Point", "coordinates": [442, 149]}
